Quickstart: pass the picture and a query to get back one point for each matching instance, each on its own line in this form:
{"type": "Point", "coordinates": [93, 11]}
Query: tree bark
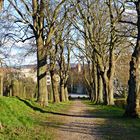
{"type": "Point", "coordinates": [38, 23]}
{"type": "Point", "coordinates": [111, 78]}
{"type": "Point", "coordinates": [105, 81]}
{"type": "Point", "coordinates": [95, 83]}
{"type": "Point", "coordinates": [42, 97]}
{"type": "Point", "coordinates": [62, 92]}
{"type": "Point", "coordinates": [66, 93]}
{"type": "Point", "coordinates": [15, 87]}
{"type": "Point", "coordinates": [103, 73]}
{"type": "Point", "coordinates": [1, 84]}
{"type": "Point", "coordinates": [100, 90]}
{"type": "Point", "coordinates": [56, 97]}
{"type": "Point", "coordinates": [133, 100]}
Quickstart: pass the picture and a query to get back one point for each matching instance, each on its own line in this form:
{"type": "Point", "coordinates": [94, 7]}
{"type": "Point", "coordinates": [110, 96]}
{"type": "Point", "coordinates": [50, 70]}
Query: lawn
{"type": "Point", "coordinates": [22, 119]}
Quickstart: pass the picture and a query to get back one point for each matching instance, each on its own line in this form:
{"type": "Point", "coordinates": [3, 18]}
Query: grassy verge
{"type": "Point", "coordinates": [114, 126]}
{"type": "Point", "coordinates": [22, 119]}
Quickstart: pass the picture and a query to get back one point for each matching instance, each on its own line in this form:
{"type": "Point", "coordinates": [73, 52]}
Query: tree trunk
{"type": "Point", "coordinates": [42, 97]}
{"type": "Point", "coordinates": [38, 25]}
{"type": "Point", "coordinates": [62, 92]}
{"type": "Point", "coordinates": [105, 81]}
{"type": "Point", "coordinates": [100, 90]}
{"type": "Point", "coordinates": [111, 78]}
{"type": "Point", "coordinates": [55, 85]}
{"type": "Point", "coordinates": [66, 88]}
{"type": "Point", "coordinates": [50, 93]}
{"type": "Point", "coordinates": [62, 72]}
{"type": "Point", "coordinates": [95, 85]}
{"type": "Point", "coordinates": [111, 70]}
{"type": "Point", "coordinates": [103, 73]}
{"type": "Point", "coordinates": [24, 91]}
{"type": "Point", "coordinates": [133, 100]}
{"type": "Point", "coordinates": [20, 89]}
{"type": "Point", "coordinates": [110, 92]}
{"type": "Point", "coordinates": [66, 93]}
{"type": "Point", "coordinates": [1, 85]}
{"type": "Point", "coordinates": [15, 87]}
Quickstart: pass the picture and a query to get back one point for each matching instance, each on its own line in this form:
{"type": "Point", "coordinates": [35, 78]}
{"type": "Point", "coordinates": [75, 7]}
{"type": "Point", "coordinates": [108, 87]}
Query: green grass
{"type": "Point", "coordinates": [115, 126]}
{"type": "Point", "coordinates": [22, 119]}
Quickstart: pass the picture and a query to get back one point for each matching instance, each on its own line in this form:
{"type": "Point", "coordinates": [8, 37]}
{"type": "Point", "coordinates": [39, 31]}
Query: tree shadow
{"type": "Point", "coordinates": [87, 113]}
{"type": "Point", "coordinates": [51, 112]}
{"type": "Point", "coordinates": [90, 129]}
{"type": "Point", "coordinates": [113, 126]}
{"type": "Point", "coordinates": [110, 129]}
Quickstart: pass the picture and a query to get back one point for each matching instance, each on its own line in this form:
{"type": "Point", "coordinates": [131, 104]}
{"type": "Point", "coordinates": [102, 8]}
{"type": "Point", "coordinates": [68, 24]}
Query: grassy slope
{"type": "Point", "coordinates": [21, 120]}
{"type": "Point", "coordinates": [115, 126]}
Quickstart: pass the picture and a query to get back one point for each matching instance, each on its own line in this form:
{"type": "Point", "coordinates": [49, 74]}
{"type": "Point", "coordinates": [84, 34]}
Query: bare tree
{"type": "Point", "coordinates": [34, 18]}
{"type": "Point", "coordinates": [133, 100]}
{"type": "Point", "coordinates": [98, 23]}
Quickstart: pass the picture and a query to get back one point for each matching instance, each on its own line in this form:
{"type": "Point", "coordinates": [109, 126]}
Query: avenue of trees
{"type": "Point", "coordinates": [102, 33]}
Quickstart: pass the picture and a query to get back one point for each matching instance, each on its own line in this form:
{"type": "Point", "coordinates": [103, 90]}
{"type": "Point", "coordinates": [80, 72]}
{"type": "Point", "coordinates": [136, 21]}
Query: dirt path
{"type": "Point", "coordinates": [77, 124]}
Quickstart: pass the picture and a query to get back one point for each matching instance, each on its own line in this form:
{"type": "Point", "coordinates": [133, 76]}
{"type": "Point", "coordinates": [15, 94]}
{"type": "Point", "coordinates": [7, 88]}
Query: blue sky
{"type": "Point", "coordinates": [16, 54]}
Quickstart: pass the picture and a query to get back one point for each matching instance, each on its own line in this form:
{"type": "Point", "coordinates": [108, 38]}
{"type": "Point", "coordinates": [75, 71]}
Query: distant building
{"type": "Point", "coordinates": [29, 71]}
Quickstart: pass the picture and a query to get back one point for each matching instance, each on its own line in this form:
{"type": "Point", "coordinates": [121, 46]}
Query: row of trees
{"type": "Point", "coordinates": [104, 34]}
{"type": "Point", "coordinates": [109, 34]}
{"type": "Point", "coordinates": [45, 24]}
{"type": "Point", "coordinates": [100, 28]}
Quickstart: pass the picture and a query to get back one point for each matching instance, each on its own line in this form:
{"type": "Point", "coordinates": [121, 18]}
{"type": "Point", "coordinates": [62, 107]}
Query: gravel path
{"type": "Point", "coordinates": [86, 122]}
{"type": "Point", "coordinates": [77, 124]}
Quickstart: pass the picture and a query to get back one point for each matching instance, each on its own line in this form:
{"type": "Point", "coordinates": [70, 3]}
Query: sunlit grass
{"type": "Point", "coordinates": [18, 121]}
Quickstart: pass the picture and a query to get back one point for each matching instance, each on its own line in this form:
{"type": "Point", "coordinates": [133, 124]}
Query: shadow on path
{"type": "Point", "coordinates": [87, 123]}
{"type": "Point", "coordinates": [35, 108]}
